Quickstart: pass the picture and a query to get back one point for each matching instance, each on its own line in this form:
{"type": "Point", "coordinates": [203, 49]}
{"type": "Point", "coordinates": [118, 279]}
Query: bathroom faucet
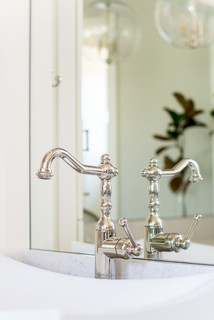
{"type": "Point", "coordinates": [155, 240]}
{"type": "Point", "coordinates": [108, 247]}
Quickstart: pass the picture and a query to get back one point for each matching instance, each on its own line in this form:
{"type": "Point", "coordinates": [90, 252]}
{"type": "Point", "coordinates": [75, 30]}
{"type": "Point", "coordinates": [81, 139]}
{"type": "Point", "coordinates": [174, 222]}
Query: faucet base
{"type": "Point", "coordinates": [152, 255]}
{"type": "Point", "coordinates": [108, 266]}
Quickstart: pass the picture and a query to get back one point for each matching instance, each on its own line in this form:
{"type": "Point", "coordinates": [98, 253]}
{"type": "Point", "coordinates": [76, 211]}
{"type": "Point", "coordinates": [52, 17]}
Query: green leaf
{"type": "Point", "coordinates": [181, 99]}
{"type": "Point", "coordinates": [192, 123]}
{"type": "Point", "coordinates": [174, 134]}
{"type": "Point", "coordinates": [187, 104]}
{"type": "Point", "coordinates": [176, 184]}
{"type": "Point", "coordinates": [156, 136]}
{"type": "Point", "coordinates": [200, 124]}
{"type": "Point", "coordinates": [212, 113]}
{"type": "Point", "coordinates": [190, 105]}
{"type": "Point", "coordinates": [176, 117]}
{"type": "Point", "coordinates": [193, 113]}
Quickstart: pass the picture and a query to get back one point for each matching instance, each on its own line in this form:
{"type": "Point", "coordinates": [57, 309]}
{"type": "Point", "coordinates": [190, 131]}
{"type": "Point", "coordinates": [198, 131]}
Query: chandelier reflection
{"type": "Point", "coordinates": [185, 23]}
{"type": "Point", "coordinates": [110, 31]}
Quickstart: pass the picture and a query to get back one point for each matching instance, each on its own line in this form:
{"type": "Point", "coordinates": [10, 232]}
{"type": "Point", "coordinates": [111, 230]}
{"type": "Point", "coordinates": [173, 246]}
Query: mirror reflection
{"type": "Point", "coordinates": [143, 95]}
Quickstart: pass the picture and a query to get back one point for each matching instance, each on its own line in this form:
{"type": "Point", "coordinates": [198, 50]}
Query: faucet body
{"type": "Point", "coordinates": [108, 247]}
{"type": "Point", "coordinates": [156, 240]}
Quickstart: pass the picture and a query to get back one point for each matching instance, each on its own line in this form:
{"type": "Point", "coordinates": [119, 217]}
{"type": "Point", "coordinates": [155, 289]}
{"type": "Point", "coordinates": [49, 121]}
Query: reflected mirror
{"type": "Point", "coordinates": [141, 97]}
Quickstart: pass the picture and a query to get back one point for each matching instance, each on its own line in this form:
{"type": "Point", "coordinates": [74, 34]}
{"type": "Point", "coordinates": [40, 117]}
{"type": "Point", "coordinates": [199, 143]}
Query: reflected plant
{"type": "Point", "coordinates": [174, 137]}
{"type": "Point", "coordinates": [212, 115]}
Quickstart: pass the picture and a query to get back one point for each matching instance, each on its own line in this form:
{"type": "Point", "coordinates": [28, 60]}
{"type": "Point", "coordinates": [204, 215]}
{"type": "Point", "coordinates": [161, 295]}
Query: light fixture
{"type": "Point", "coordinates": [185, 23]}
{"type": "Point", "coordinates": [110, 31]}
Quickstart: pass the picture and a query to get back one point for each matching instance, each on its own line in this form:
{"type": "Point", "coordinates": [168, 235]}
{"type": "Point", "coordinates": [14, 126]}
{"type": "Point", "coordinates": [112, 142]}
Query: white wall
{"type": "Point", "coordinates": [56, 215]}
{"type": "Point", "coordinates": [14, 134]}
{"type": "Point", "coordinates": [14, 125]}
{"type": "Point", "coordinates": [43, 123]}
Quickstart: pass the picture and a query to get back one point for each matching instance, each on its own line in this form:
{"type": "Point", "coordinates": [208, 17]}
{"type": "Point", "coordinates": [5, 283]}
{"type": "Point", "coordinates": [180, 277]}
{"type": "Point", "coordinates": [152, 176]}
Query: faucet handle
{"type": "Point", "coordinates": [197, 217]}
{"type": "Point", "coordinates": [137, 249]}
{"type": "Point", "coordinates": [185, 243]}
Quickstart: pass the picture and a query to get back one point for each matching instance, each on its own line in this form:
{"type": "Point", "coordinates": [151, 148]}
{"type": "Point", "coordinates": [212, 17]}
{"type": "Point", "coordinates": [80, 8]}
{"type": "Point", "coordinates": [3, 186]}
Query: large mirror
{"type": "Point", "coordinates": [131, 107]}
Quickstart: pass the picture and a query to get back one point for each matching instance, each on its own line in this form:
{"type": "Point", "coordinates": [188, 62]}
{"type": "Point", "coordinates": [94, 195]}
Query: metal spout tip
{"type": "Point", "coordinates": [195, 178]}
{"type": "Point", "coordinates": [198, 216]}
{"type": "Point", "coordinates": [46, 175]}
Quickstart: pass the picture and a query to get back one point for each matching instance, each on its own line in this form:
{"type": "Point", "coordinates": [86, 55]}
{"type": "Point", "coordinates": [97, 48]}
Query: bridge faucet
{"type": "Point", "coordinates": [108, 247]}
{"type": "Point", "coordinates": [155, 240]}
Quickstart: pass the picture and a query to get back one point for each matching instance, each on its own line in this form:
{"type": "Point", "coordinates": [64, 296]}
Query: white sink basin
{"type": "Point", "coordinates": [32, 315]}
{"type": "Point", "coordinates": [28, 289]}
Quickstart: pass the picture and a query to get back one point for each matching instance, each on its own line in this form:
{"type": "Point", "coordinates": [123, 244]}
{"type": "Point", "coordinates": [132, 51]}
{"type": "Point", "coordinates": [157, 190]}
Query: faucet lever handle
{"type": "Point", "coordinates": [124, 224]}
{"type": "Point", "coordinates": [184, 243]}
{"type": "Point", "coordinates": [137, 249]}
{"type": "Point", "coordinates": [196, 219]}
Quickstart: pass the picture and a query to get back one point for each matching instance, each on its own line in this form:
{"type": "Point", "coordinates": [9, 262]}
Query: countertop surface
{"type": "Point", "coordinates": [27, 289]}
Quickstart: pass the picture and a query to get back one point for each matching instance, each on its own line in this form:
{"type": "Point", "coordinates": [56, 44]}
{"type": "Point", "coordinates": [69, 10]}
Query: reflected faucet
{"type": "Point", "coordinates": [108, 247]}
{"type": "Point", "coordinates": [155, 240]}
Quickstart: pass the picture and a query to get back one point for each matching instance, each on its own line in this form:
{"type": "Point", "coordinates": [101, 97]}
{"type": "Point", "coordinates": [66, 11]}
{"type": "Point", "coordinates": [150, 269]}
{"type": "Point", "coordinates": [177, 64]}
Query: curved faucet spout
{"type": "Point", "coordinates": [45, 171]}
{"type": "Point", "coordinates": [180, 166]}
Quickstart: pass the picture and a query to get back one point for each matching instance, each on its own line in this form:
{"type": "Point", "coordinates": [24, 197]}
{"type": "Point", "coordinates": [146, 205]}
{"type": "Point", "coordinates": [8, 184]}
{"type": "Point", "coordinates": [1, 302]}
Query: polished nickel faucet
{"type": "Point", "coordinates": [155, 241]}
{"type": "Point", "coordinates": [108, 247]}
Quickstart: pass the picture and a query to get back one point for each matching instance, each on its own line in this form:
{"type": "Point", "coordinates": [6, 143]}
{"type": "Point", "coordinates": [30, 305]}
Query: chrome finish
{"type": "Point", "coordinates": [124, 224]}
{"type": "Point", "coordinates": [45, 171]}
{"type": "Point", "coordinates": [197, 217]}
{"type": "Point", "coordinates": [137, 249]}
{"type": "Point", "coordinates": [111, 248]}
{"type": "Point", "coordinates": [58, 80]}
{"type": "Point", "coordinates": [107, 246]}
{"type": "Point", "coordinates": [155, 240]}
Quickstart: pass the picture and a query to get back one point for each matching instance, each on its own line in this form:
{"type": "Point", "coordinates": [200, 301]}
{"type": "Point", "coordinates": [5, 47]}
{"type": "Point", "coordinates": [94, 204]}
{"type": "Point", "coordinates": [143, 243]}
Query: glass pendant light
{"type": "Point", "coordinates": [185, 23]}
{"type": "Point", "coordinates": [110, 31]}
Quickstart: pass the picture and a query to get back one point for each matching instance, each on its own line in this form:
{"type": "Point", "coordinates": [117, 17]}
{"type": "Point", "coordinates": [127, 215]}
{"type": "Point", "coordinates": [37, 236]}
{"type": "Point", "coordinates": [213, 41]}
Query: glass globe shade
{"type": "Point", "coordinates": [185, 23]}
{"type": "Point", "coordinates": [110, 31]}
